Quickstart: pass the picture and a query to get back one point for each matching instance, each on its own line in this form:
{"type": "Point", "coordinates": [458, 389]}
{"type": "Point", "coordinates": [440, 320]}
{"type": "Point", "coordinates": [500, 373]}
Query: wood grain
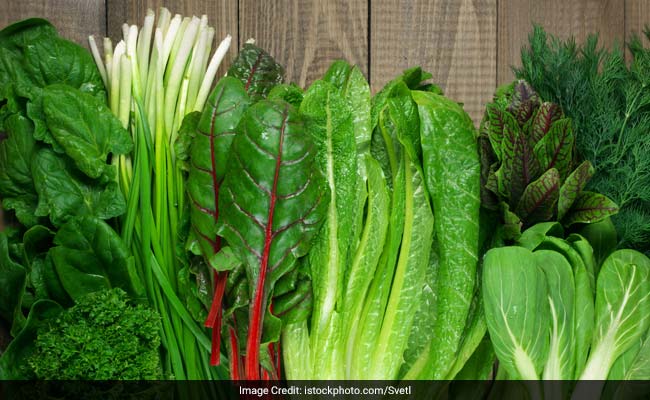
{"type": "Point", "coordinates": [306, 36]}
{"type": "Point", "coordinates": [562, 18]}
{"type": "Point", "coordinates": [222, 16]}
{"type": "Point", "coordinates": [637, 16]}
{"type": "Point", "coordinates": [455, 40]}
{"type": "Point", "coordinates": [74, 19]}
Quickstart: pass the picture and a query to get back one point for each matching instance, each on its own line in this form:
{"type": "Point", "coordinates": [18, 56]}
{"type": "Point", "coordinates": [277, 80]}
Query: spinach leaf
{"type": "Point", "coordinates": [89, 257]}
{"type": "Point", "coordinates": [64, 192]}
{"type": "Point", "coordinates": [13, 363]}
{"type": "Point", "coordinates": [13, 278]}
{"type": "Point", "coordinates": [85, 128]}
{"type": "Point", "coordinates": [17, 149]}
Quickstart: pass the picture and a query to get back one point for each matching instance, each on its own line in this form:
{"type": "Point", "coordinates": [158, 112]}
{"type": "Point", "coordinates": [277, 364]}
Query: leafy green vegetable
{"type": "Point", "coordinates": [85, 128]}
{"type": "Point", "coordinates": [607, 101]}
{"type": "Point", "coordinates": [529, 171]}
{"type": "Point", "coordinates": [257, 70]}
{"type": "Point", "coordinates": [452, 172]}
{"type": "Point", "coordinates": [14, 361]}
{"type": "Point", "coordinates": [272, 202]}
{"type": "Point", "coordinates": [13, 278]}
{"type": "Point", "coordinates": [64, 192]}
{"type": "Point", "coordinates": [17, 148]}
{"type": "Point", "coordinates": [622, 310]}
{"type": "Point", "coordinates": [104, 336]}
{"type": "Point", "coordinates": [517, 310]}
{"type": "Point", "coordinates": [90, 257]}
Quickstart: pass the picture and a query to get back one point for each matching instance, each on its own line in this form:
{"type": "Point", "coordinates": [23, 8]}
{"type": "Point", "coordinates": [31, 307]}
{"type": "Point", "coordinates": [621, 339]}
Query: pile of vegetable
{"type": "Point", "coordinates": [166, 223]}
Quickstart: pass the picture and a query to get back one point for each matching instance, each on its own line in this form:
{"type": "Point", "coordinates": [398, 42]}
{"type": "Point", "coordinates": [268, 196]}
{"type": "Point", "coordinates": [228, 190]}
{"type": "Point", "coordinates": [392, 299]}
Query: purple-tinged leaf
{"type": "Point", "coordinates": [524, 102]}
{"type": "Point", "coordinates": [539, 200]}
{"type": "Point", "coordinates": [519, 167]}
{"type": "Point", "coordinates": [590, 207]}
{"type": "Point", "coordinates": [574, 184]}
{"type": "Point", "coordinates": [555, 150]}
{"type": "Point", "coordinates": [541, 123]}
{"type": "Point", "coordinates": [495, 125]}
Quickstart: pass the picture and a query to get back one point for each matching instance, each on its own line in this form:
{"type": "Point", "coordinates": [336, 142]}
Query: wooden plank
{"type": "Point", "coordinates": [637, 15]}
{"type": "Point", "coordinates": [306, 36]}
{"type": "Point", "coordinates": [222, 16]}
{"type": "Point", "coordinates": [74, 19]}
{"type": "Point", "coordinates": [454, 40]}
{"type": "Point", "coordinates": [563, 18]}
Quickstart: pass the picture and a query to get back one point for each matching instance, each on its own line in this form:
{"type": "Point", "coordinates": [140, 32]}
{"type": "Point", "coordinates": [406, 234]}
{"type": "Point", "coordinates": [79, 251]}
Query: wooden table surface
{"type": "Point", "coordinates": [468, 45]}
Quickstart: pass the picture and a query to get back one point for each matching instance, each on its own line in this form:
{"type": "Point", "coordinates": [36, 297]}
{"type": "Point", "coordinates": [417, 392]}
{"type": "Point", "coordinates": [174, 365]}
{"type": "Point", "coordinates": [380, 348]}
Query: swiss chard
{"type": "Point", "coordinates": [271, 203]}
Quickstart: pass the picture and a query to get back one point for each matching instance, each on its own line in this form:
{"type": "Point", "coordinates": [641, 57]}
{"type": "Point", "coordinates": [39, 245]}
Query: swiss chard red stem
{"type": "Point", "coordinates": [215, 316]}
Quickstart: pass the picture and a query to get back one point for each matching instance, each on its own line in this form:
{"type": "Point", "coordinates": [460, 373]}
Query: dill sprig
{"type": "Point", "coordinates": [609, 103]}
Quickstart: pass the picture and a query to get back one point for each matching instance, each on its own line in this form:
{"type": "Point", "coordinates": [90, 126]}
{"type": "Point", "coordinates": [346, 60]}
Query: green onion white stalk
{"type": "Point", "coordinates": [154, 77]}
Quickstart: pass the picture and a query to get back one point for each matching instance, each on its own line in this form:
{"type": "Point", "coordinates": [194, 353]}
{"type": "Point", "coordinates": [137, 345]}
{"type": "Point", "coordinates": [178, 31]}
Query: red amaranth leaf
{"type": "Point", "coordinates": [272, 202]}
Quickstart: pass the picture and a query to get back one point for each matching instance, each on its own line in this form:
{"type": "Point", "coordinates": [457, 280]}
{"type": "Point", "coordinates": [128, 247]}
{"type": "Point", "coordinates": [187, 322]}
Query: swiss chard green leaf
{"type": "Point", "coordinates": [209, 153]}
{"type": "Point", "coordinates": [257, 70]}
{"type": "Point", "coordinates": [272, 203]}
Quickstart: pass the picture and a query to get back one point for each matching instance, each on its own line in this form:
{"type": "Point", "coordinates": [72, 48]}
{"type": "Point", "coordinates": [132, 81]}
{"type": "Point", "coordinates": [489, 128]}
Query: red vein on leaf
{"type": "Point", "coordinates": [220, 278]}
{"type": "Point", "coordinates": [253, 70]}
{"type": "Point", "coordinates": [255, 332]}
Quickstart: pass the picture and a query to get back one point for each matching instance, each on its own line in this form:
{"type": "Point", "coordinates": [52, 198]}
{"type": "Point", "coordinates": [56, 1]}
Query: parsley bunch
{"type": "Point", "coordinates": [102, 337]}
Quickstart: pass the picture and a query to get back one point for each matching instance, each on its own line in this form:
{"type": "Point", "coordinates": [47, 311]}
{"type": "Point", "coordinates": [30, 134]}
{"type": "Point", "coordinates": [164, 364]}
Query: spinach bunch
{"type": "Point", "coordinates": [608, 101]}
{"type": "Point", "coordinates": [56, 177]}
{"type": "Point", "coordinates": [530, 172]}
{"type": "Point", "coordinates": [554, 313]}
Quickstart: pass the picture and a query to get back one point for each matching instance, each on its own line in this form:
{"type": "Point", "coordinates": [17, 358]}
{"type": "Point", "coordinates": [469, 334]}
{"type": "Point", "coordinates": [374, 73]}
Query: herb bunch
{"type": "Point", "coordinates": [609, 104]}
